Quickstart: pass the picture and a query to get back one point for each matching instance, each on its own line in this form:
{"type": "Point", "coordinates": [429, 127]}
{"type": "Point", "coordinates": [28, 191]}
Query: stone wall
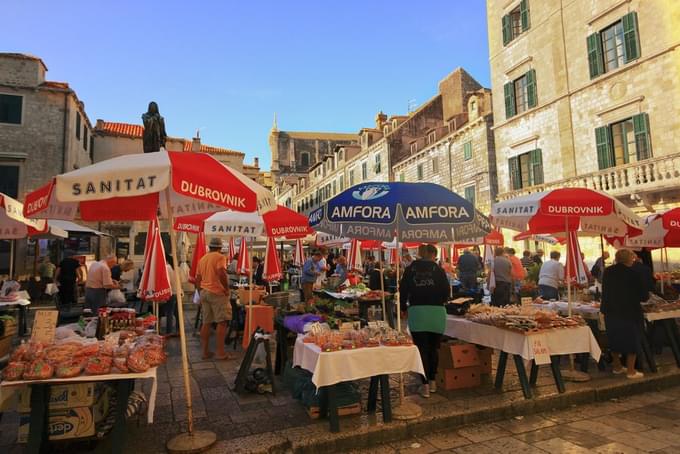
{"type": "Point", "coordinates": [21, 71]}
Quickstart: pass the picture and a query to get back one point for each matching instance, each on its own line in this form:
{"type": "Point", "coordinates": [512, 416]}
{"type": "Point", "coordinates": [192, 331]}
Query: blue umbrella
{"type": "Point", "coordinates": [423, 212]}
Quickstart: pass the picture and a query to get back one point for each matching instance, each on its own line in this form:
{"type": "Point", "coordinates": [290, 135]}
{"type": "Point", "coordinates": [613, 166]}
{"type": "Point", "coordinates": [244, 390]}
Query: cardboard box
{"type": "Point", "coordinates": [457, 355]}
{"type": "Point", "coordinates": [61, 397]}
{"type": "Point", "coordinates": [485, 355]}
{"type": "Point", "coordinates": [460, 378]}
{"type": "Point", "coordinates": [62, 424]}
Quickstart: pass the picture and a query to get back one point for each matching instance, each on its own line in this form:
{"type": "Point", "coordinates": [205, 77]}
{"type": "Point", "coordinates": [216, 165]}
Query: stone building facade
{"type": "Point", "coordinates": [584, 92]}
{"type": "Point", "coordinates": [43, 126]}
{"type": "Point", "coordinates": [602, 77]}
{"type": "Point", "coordinates": [294, 153]}
{"type": "Point", "coordinates": [44, 130]}
{"type": "Point", "coordinates": [347, 165]}
{"type": "Point", "coordinates": [457, 149]}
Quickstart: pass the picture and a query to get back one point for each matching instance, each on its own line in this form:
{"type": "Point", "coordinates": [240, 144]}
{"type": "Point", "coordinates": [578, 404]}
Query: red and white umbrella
{"type": "Point", "coordinates": [660, 230]}
{"type": "Point", "coordinates": [576, 269]}
{"type": "Point", "coordinates": [243, 265]}
{"type": "Point", "coordinates": [298, 254]}
{"type": "Point", "coordinates": [232, 247]}
{"type": "Point", "coordinates": [552, 240]}
{"type": "Point", "coordinates": [272, 265]}
{"type": "Point", "coordinates": [13, 224]}
{"type": "Point", "coordinates": [565, 210]}
{"type": "Point", "coordinates": [155, 282]}
{"type": "Point", "coordinates": [444, 252]}
{"type": "Point", "coordinates": [354, 256]}
{"type": "Point", "coordinates": [281, 222]}
{"type": "Point", "coordinates": [371, 245]}
{"type": "Point", "coordinates": [393, 256]}
{"type": "Point", "coordinates": [134, 187]}
{"type": "Point", "coordinates": [200, 250]}
{"type": "Point", "coordinates": [488, 261]}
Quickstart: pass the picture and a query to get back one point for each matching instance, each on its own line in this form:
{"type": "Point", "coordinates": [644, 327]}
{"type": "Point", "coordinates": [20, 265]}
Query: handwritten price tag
{"type": "Point", "coordinates": [540, 348]}
{"type": "Point", "coordinates": [44, 326]}
{"type": "Point", "coordinates": [526, 300]}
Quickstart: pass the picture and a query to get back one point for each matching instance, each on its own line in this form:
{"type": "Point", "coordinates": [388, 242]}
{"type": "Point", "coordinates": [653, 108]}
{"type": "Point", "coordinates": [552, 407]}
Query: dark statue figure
{"type": "Point", "coordinates": [154, 129]}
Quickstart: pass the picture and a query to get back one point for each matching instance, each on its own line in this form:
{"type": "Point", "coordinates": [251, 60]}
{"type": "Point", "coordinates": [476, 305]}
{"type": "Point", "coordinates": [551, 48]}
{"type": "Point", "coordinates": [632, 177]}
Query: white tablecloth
{"type": "Point", "coordinates": [334, 367]}
{"type": "Point", "coordinates": [562, 341]}
{"type": "Point", "coordinates": [19, 302]}
{"type": "Point", "coordinates": [653, 316]}
{"type": "Point", "coordinates": [584, 309]}
{"type": "Point", "coordinates": [8, 386]}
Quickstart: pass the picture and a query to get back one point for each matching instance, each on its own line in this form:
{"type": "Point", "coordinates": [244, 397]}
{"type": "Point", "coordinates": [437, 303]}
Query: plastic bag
{"type": "Point", "coordinates": [197, 298]}
{"type": "Point", "coordinates": [115, 296]}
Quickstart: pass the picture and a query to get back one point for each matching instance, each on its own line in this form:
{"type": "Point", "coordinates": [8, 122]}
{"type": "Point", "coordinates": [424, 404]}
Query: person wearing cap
{"type": "Point", "coordinates": [310, 272]}
{"type": "Point", "coordinates": [213, 284]}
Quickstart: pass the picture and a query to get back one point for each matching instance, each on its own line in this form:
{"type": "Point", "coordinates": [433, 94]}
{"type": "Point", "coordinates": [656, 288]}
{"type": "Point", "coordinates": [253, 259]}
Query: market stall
{"type": "Point", "coordinates": [527, 334]}
{"type": "Point", "coordinates": [334, 357]}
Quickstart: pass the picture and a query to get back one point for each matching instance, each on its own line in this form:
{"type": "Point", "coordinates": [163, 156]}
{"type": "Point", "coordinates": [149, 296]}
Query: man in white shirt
{"type": "Point", "coordinates": [550, 276]}
{"type": "Point", "coordinates": [98, 283]}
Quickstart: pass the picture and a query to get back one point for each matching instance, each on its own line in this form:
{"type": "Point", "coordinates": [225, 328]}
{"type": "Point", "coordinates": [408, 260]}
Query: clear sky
{"type": "Point", "coordinates": [226, 66]}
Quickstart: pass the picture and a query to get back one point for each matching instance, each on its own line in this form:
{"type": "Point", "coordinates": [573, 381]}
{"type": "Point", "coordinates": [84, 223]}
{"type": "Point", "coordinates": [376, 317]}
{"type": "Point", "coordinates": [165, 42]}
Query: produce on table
{"type": "Point", "coordinates": [333, 340]}
{"type": "Point", "coordinates": [120, 352]}
{"type": "Point", "coordinates": [523, 319]}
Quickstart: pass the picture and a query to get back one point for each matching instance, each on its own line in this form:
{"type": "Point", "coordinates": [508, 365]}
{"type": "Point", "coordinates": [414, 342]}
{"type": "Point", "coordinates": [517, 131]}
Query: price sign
{"type": "Point", "coordinates": [526, 300]}
{"type": "Point", "coordinates": [539, 346]}
{"type": "Point", "coordinates": [44, 326]}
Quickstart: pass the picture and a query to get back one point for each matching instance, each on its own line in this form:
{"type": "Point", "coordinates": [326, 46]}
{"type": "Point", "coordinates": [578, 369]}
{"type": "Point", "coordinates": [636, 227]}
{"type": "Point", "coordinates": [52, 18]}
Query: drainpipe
{"type": "Point", "coordinates": [64, 160]}
{"type": "Point", "coordinates": [449, 143]}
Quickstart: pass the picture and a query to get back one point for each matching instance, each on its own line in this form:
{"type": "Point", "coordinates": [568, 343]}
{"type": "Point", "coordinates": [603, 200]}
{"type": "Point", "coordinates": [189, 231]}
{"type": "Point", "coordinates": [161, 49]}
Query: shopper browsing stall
{"type": "Point", "coordinates": [213, 285]}
{"type": "Point", "coordinates": [424, 289]}
{"type": "Point", "coordinates": [622, 292]}
{"type": "Point", "coordinates": [502, 272]}
{"type": "Point", "coordinates": [68, 275]}
{"type": "Point", "coordinates": [550, 276]}
{"type": "Point", "coordinates": [98, 282]}
{"type": "Point", "coordinates": [310, 272]}
{"type": "Point", "coordinates": [468, 267]}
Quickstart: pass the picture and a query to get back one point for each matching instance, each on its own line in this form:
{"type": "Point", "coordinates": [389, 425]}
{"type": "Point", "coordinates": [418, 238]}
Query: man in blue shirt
{"type": "Point", "coordinates": [310, 272]}
{"type": "Point", "coordinates": [468, 266]}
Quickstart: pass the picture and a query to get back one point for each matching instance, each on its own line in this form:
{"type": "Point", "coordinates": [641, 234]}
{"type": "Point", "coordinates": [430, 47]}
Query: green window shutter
{"type": "Point", "coordinates": [642, 142]}
{"type": "Point", "coordinates": [470, 194]}
{"type": "Point", "coordinates": [605, 158]}
{"type": "Point", "coordinates": [467, 150]}
{"type": "Point", "coordinates": [515, 176]}
{"type": "Point", "coordinates": [532, 99]}
{"type": "Point", "coordinates": [509, 89]}
{"type": "Point", "coordinates": [631, 39]}
{"type": "Point", "coordinates": [595, 61]}
{"type": "Point", "coordinates": [524, 14]}
{"type": "Point", "coordinates": [507, 29]}
{"type": "Point", "coordinates": [535, 167]}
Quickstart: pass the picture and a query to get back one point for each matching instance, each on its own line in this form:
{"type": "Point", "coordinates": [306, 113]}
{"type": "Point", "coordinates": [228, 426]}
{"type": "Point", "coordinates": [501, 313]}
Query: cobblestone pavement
{"type": "Point", "coordinates": [648, 422]}
{"type": "Point", "coordinates": [266, 423]}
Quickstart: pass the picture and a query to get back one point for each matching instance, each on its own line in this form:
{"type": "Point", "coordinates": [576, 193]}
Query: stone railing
{"type": "Point", "coordinates": [652, 174]}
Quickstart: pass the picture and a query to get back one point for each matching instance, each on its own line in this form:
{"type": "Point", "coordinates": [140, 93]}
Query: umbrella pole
{"type": "Point", "coordinates": [250, 291]}
{"type": "Point", "coordinates": [382, 286]}
{"type": "Point", "coordinates": [11, 259]}
{"type": "Point", "coordinates": [404, 410]}
{"type": "Point", "coordinates": [191, 441]}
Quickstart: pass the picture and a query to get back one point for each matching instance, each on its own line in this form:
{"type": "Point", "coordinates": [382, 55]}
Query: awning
{"type": "Point", "coordinates": [72, 227]}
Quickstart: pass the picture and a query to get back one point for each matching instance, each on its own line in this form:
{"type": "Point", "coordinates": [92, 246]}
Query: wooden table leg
{"type": "Point", "coordinates": [557, 375]}
{"type": "Point", "coordinates": [333, 409]}
{"type": "Point", "coordinates": [672, 334]}
{"type": "Point", "coordinates": [372, 403]}
{"type": "Point", "coordinates": [385, 398]}
{"type": "Point", "coordinates": [647, 352]}
{"type": "Point", "coordinates": [522, 374]}
{"type": "Point", "coordinates": [533, 377]}
{"type": "Point", "coordinates": [37, 431]}
{"type": "Point", "coordinates": [22, 321]}
{"type": "Point", "coordinates": [500, 371]}
{"type": "Point", "coordinates": [123, 388]}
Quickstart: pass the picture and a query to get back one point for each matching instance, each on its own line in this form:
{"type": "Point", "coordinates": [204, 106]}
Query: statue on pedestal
{"type": "Point", "coordinates": [154, 129]}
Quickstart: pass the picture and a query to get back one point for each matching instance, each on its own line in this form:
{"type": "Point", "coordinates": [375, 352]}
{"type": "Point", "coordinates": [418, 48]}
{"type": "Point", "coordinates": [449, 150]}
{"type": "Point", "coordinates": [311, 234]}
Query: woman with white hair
{"type": "Point", "coordinates": [622, 293]}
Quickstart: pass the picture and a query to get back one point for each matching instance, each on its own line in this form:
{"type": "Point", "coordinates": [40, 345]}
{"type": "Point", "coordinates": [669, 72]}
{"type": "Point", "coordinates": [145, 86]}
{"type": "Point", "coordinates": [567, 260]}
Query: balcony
{"type": "Point", "coordinates": [651, 175]}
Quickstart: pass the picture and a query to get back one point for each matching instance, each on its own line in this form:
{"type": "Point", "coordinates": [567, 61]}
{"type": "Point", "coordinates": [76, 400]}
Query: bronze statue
{"type": "Point", "coordinates": [154, 129]}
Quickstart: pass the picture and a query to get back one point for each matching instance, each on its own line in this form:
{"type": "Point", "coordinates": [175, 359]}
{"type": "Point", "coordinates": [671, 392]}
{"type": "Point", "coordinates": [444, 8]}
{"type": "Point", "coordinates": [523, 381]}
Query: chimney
{"type": "Point", "coordinates": [380, 120]}
{"type": "Point", "coordinates": [196, 143]}
{"type": "Point", "coordinates": [256, 162]}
